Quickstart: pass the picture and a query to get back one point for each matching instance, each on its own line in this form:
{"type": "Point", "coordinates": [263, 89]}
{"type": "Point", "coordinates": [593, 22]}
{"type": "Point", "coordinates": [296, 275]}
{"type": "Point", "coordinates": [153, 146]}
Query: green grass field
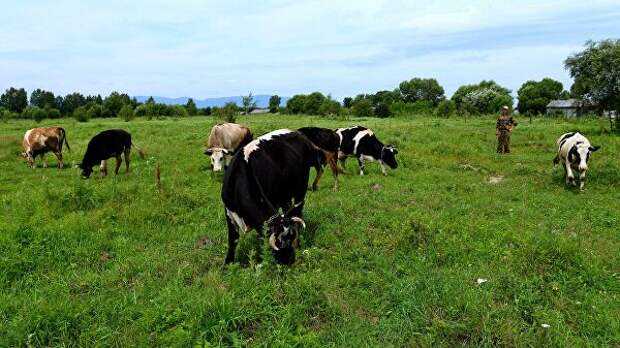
{"type": "Point", "coordinates": [385, 261]}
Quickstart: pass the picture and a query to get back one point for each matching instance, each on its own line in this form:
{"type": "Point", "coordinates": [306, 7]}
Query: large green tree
{"type": "Point", "coordinates": [191, 108]}
{"type": "Point", "coordinates": [14, 100]}
{"type": "Point", "coordinates": [42, 99]}
{"type": "Point", "coordinates": [248, 103]}
{"type": "Point", "coordinates": [535, 95]}
{"type": "Point", "coordinates": [274, 103]}
{"type": "Point", "coordinates": [71, 102]}
{"type": "Point", "coordinates": [418, 89]}
{"type": "Point", "coordinates": [113, 103]}
{"type": "Point", "coordinates": [596, 71]}
{"type": "Point", "coordinates": [484, 97]}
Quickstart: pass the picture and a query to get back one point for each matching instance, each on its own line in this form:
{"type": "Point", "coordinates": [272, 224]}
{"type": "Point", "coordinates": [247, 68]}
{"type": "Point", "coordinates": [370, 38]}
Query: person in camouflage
{"type": "Point", "coordinates": [503, 130]}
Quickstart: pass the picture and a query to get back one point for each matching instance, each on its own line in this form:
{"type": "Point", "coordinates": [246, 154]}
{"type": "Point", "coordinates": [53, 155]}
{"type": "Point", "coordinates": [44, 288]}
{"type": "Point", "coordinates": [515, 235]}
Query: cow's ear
{"type": "Point", "coordinates": [208, 152]}
{"type": "Point", "coordinates": [594, 148]}
{"type": "Point", "coordinates": [226, 152]}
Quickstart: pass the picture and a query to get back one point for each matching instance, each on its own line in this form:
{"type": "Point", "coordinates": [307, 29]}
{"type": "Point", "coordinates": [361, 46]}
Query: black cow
{"type": "Point", "coordinates": [328, 141]}
{"type": "Point", "coordinates": [362, 143]}
{"type": "Point", "coordinates": [270, 173]}
{"type": "Point", "coordinates": [107, 144]}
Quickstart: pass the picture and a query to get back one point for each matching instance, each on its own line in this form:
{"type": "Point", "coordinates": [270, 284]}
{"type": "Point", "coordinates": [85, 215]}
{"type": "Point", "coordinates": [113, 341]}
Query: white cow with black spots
{"type": "Point", "coordinates": [574, 152]}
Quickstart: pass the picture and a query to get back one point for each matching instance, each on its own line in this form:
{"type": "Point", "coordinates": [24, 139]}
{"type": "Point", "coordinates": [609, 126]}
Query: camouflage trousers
{"type": "Point", "coordinates": [503, 141]}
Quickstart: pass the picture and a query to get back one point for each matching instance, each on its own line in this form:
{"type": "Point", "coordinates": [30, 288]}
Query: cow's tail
{"type": "Point", "coordinates": [63, 134]}
{"type": "Point", "coordinates": [140, 152]}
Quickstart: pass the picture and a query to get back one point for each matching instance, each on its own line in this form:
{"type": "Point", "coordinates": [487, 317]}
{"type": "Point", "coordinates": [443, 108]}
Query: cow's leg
{"type": "Point", "coordinates": [319, 172]}
{"type": "Point", "coordinates": [570, 177]}
{"type": "Point", "coordinates": [360, 162]}
{"type": "Point", "coordinates": [342, 158]}
{"type": "Point", "coordinates": [382, 168]}
{"type": "Point", "coordinates": [233, 239]}
{"type": "Point", "coordinates": [333, 164]}
{"type": "Point", "coordinates": [582, 179]}
{"type": "Point", "coordinates": [44, 160]}
{"type": "Point", "coordinates": [31, 159]}
{"type": "Point", "coordinates": [119, 160]}
{"type": "Point", "coordinates": [104, 168]}
{"type": "Point", "coordinates": [59, 157]}
{"type": "Point", "coordinates": [126, 153]}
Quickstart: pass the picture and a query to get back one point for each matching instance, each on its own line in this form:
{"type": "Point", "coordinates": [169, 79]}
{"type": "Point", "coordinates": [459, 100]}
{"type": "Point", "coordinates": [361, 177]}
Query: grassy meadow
{"type": "Point", "coordinates": [384, 261]}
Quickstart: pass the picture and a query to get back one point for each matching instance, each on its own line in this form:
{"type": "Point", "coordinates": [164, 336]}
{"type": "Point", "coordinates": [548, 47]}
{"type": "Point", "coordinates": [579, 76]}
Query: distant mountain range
{"type": "Point", "coordinates": [262, 100]}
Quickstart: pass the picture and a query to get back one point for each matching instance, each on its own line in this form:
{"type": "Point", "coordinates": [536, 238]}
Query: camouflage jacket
{"type": "Point", "coordinates": [505, 123]}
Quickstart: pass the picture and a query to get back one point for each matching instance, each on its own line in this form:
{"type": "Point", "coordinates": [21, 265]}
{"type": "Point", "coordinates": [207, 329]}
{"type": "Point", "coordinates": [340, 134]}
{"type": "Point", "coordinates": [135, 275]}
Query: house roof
{"type": "Point", "coordinates": [565, 104]}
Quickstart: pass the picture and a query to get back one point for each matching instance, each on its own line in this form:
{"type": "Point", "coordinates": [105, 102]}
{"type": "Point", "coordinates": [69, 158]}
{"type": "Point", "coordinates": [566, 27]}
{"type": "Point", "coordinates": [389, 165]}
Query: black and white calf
{"type": "Point", "coordinates": [267, 175]}
{"type": "Point", "coordinates": [105, 145]}
{"type": "Point", "coordinates": [362, 143]}
{"type": "Point", "coordinates": [574, 152]}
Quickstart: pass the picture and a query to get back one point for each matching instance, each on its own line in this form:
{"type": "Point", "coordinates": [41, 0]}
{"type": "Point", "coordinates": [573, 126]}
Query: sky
{"type": "Point", "coordinates": [204, 49]}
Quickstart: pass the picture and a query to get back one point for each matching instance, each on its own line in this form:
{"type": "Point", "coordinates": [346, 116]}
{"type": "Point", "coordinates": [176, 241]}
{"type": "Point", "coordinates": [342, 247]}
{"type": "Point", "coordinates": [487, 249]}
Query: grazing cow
{"type": "Point", "coordinates": [574, 151]}
{"type": "Point", "coordinates": [107, 144]}
{"type": "Point", "coordinates": [328, 141]}
{"type": "Point", "coordinates": [362, 143]}
{"type": "Point", "coordinates": [225, 139]}
{"type": "Point", "coordinates": [266, 175]}
{"type": "Point", "coordinates": [39, 141]}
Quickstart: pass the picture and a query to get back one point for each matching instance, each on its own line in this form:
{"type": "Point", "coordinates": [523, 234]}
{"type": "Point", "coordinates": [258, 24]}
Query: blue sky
{"type": "Point", "coordinates": [219, 48]}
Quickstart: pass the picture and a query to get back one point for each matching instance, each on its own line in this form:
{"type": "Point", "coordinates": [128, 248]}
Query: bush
{"type": "Point", "coordinates": [362, 108]}
{"type": "Point", "coordinates": [329, 107]}
{"type": "Point", "coordinates": [52, 113]}
{"type": "Point", "coordinates": [94, 111]}
{"type": "Point", "coordinates": [34, 113]}
{"type": "Point", "coordinates": [382, 110]}
{"type": "Point", "coordinates": [178, 111]}
{"type": "Point", "coordinates": [227, 113]}
{"type": "Point", "coordinates": [126, 113]}
{"type": "Point", "coordinates": [445, 109]}
{"type": "Point", "coordinates": [81, 114]}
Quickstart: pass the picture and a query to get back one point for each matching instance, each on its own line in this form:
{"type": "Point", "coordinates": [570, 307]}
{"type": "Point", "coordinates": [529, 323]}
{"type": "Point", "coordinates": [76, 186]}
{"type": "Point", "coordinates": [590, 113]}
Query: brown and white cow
{"type": "Point", "coordinates": [39, 141]}
{"type": "Point", "coordinates": [225, 139]}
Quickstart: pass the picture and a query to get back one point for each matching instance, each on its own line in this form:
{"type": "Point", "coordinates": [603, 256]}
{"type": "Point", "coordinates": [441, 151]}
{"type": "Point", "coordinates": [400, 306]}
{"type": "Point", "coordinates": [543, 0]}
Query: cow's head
{"type": "Point", "coordinates": [86, 170]}
{"type": "Point", "coordinates": [579, 155]}
{"type": "Point", "coordinates": [218, 157]}
{"type": "Point", "coordinates": [388, 156]}
{"type": "Point", "coordinates": [284, 236]}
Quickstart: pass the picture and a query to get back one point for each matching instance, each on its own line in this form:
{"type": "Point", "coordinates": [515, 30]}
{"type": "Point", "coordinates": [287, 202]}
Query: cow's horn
{"type": "Point", "coordinates": [272, 242]}
{"type": "Point", "coordinates": [298, 219]}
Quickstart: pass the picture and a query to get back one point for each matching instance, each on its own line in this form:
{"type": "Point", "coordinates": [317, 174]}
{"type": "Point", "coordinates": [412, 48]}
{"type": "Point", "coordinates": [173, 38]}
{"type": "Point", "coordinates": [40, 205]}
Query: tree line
{"type": "Point", "coordinates": [595, 70]}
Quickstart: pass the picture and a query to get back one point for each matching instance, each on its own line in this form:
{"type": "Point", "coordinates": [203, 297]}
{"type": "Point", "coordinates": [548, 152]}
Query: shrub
{"type": "Point", "coordinates": [81, 114]}
{"type": "Point", "coordinates": [126, 113]}
{"type": "Point", "coordinates": [34, 113]}
{"type": "Point", "coordinates": [52, 113]}
{"type": "Point", "coordinates": [362, 108]}
{"type": "Point", "coordinates": [94, 111]}
{"type": "Point", "coordinates": [329, 107]}
{"type": "Point", "coordinates": [178, 111]}
{"type": "Point", "coordinates": [227, 113]}
{"type": "Point", "coordinates": [382, 110]}
{"type": "Point", "coordinates": [445, 109]}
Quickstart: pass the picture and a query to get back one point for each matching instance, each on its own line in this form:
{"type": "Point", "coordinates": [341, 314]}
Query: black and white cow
{"type": "Point", "coordinates": [574, 152]}
{"type": "Point", "coordinates": [105, 145]}
{"type": "Point", "coordinates": [267, 175]}
{"type": "Point", "coordinates": [328, 141]}
{"type": "Point", "coordinates": [362, 143]}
